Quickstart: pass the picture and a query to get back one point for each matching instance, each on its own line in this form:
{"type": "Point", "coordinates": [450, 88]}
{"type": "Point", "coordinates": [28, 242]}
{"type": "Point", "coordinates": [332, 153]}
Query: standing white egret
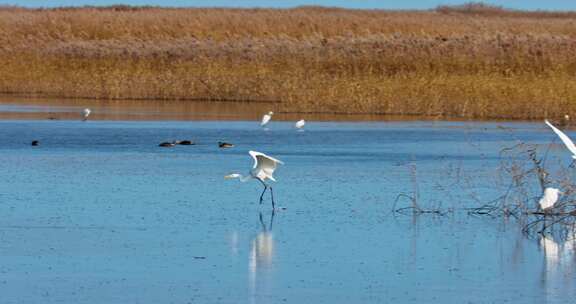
{"type": "Point", "coordinates": [565, 139]}
{"type": "Point", "coordinates": [264, 167]}
{"type": "Point", "coordinates": [266, 119]}
{"type": "Point", "coordinates": [300, 124]}
{"type": "Point", "coordinates": [549, 198]}
{"type": "Point", "coordinates": [85, 114]}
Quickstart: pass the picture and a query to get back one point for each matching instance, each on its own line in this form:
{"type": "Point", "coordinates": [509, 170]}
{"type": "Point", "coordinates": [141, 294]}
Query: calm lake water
{"type": "Point", "coordinates": [57, 109]}
{"type": "Point", "coordinates": [98, 213]}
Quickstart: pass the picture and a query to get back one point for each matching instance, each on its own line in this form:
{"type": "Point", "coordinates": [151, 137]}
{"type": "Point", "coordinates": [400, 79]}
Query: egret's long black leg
{"type": "Point", "coordinates": [271, 220]}
{"type": "Point", "coordinates": [265, 187]}
{"type": "Point", "coordinates": [272, 196]}
{"type": "Point", "coordinates": [262, 222]}
{"type": "Point", "coordinates": [262, 195]}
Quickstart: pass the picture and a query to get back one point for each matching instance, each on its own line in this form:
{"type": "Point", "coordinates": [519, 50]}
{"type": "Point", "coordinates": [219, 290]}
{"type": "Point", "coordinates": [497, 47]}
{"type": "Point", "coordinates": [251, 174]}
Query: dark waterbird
{"type": "Point", "coordinates": [167, 144]}
{"type": "Point", "coordinates": [184, 142]}
{"type": "Point", "coordinates": [225, 145]}
{"type": "Point", "coordinates": [35, 143]}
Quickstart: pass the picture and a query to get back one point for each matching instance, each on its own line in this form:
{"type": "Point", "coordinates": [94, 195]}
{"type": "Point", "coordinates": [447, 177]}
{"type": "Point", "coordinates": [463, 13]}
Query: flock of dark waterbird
{"type": "Point", "coordinates": [167, 144]}
{"type": "Point", "coordinates": [264, 165]}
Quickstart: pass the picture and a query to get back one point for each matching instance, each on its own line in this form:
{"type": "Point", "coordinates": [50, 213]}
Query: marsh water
{"type": "Point", "coordinates": [98, 213]}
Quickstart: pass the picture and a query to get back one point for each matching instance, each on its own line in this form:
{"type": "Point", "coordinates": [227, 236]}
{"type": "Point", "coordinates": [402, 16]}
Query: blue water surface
{"type": "Point", "coordinates": [98, 213]}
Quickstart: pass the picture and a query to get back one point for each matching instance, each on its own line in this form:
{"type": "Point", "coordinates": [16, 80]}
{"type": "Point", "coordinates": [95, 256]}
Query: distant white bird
{"type": "Point", "coordinates": [549, 198]}
{"type": "Point", "coordinates": [266, 119]}
{"type": "Point", "coordinates": [300, 124]}
{"type": "Point", "coordinates": [263, 169]}
{"type": "Point", "coordinates": [85, 114]}
{"type": "Point", "coordinates": [565, 139]}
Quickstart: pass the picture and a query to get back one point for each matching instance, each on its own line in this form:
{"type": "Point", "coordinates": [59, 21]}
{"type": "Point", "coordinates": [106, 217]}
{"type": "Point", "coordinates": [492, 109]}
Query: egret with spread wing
{"type": "Point", "coordinates": [549, 198]}
{"type": "Point", "coordinates": [266, 119]}
{"type": "Point", "coordinates": [263, 169]}
{"type": "Point", "coordinates": [565, 139]}
{"type": "Point", "coordinates": [85, 114]}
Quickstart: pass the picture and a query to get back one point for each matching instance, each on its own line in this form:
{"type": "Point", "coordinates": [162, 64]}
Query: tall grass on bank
{"type": "Point", "coordinates": [472, 61]}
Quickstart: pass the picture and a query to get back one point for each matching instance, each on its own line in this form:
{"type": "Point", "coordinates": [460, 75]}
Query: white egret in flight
{"type": "Point", "coordinates": [565, 139]}
{"type": "Point", "coordinates": [266, 119]}
{"type": "Point", "coordinates": [262, 170]}
{"type": "Point", "coordinates": [300, 124]}
{"type": "Point", "coordinates": [85, 114]}
{"type": "Point", "coordinates": [549, 198]}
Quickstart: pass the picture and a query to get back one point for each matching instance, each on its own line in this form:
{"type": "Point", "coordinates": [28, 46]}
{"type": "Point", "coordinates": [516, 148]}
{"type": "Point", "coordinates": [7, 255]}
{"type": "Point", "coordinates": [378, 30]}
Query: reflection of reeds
{"type": "Point", "coordinates": [490, 63]}
{"type": "Point", "coordinates": [522, 179]}
{"type": "Point", "coordinates": [414, 207]}
{"type": "Point", "coordinates": [526, 172]}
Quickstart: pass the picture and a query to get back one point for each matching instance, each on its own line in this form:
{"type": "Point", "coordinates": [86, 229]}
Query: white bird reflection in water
{"type": "Point", "coordinates": [260, 261]}
{"type": "Point", "coordinates": [234, 242]}
{"type": "Point", "coordinates": [551, 249]}
{"type": "Point", "coordinates": [558, 267]}
{"type": "Point", "coordinates": [569, 249]}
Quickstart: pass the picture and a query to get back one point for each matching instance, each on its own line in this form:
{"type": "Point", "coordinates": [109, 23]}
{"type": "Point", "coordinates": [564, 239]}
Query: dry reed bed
{"type": "Point", "coordinates": [460, 62]}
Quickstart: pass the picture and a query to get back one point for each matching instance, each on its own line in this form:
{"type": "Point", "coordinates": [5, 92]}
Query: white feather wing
{"type": "Point", "coordinates": [549, 198]}
{"type": "Point", "coordinates": [565, 139]}
{"type": "Point", "coordinates": [299, 124]}
{"type": "Point", "coordinates": [265, 119]}
{"type": "Point", "coordinates": [264, 164]}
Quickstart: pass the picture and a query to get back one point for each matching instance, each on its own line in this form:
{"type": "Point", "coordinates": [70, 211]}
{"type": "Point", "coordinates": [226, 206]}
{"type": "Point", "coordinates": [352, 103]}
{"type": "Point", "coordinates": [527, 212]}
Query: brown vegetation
{"type": "Point", "coordinates": [471, 61]}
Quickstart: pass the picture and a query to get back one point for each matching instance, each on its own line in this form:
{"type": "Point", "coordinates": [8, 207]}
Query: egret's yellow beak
{"type": "Point", "coordinates": [230, 176]}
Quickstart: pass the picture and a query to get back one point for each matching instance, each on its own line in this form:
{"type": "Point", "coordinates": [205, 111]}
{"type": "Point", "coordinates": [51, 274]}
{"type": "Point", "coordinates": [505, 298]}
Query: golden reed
{"type": "Point", "coordinates": [471, 61]}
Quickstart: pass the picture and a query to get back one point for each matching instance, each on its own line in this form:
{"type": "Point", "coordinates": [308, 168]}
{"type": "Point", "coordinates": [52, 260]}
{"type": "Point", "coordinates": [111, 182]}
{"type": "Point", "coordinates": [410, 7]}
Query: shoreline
{"type": "Point", "coordinates": [472, 62]}
{"type": "Point", "coordinates": [52, 108]}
